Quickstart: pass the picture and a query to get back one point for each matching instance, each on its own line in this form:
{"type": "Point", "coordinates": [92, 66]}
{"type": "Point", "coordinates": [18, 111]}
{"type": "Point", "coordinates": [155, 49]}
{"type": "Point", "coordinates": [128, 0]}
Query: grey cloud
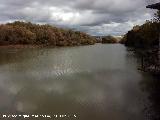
{"type": "Point", "coordinates": [87, 15]}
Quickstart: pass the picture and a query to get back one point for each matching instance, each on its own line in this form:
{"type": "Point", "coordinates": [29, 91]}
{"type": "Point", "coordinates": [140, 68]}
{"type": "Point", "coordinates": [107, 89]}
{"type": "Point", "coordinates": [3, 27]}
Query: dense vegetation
{"type": "Point", "coordinates": [109, 39]}
{"type": "Point", "coordinates": [145, 40]}
{"type": "Point", "coordinates": [143, 36]}
{"type": "Point", "coordinates": [34, 34]}
{"type": "Point", "coordinates": [146, 35]}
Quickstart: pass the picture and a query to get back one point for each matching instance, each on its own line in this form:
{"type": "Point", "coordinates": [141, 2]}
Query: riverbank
{"type": "Point", "coordinates": [21, 46]}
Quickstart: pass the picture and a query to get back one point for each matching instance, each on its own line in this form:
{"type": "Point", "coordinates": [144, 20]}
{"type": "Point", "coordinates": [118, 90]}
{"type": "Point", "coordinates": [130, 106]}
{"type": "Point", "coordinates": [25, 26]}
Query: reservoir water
{"type": "Point", "coordinates": [99, 82]}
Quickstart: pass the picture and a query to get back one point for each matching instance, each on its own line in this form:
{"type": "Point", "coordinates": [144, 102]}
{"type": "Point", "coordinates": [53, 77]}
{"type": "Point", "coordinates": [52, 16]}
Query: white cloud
{"type": "Point", "coordinates": [98, 17]}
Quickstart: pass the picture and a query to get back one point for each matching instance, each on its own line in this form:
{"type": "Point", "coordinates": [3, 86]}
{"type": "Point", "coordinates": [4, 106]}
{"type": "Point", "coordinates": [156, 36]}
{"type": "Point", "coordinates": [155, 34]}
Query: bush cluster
{"type": "Point", "coordinates": [109, 39]}
{"type": "Point", "coordinates": [34, 34]}
{"type": "Point", "coordinates": [146, 35]}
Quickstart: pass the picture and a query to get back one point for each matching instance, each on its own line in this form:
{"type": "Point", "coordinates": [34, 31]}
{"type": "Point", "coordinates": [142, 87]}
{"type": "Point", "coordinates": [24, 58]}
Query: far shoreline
{"type": "Point", "coordinates": [21, 46]}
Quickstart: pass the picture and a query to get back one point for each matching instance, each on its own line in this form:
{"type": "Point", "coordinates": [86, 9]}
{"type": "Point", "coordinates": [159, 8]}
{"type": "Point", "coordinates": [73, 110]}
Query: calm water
{"type": "Point", "coordinates": [99, 82]}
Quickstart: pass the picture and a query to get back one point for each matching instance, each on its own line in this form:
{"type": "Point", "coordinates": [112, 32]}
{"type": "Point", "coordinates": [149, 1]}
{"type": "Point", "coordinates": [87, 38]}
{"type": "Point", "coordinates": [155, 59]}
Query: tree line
{"type": "Point", "coordinates": [27, 33]}
{"type": "Point", "coordinates": [146, 35]}
{"type": "Point", "coordinates": [144, 40]}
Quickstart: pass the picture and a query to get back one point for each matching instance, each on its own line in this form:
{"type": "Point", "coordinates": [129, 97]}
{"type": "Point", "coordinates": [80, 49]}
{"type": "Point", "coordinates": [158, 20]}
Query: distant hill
{"type": "Point", "coordinates": [108, 39]}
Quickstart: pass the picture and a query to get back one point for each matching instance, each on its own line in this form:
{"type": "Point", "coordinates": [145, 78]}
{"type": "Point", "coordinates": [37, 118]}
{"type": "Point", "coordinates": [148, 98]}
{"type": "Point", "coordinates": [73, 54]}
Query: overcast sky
{"type": "Point", "coordinates": [96, 17]}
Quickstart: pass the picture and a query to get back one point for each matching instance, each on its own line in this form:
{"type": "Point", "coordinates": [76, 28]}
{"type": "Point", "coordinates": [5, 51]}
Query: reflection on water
{"type": "Point", "coordinates": [152, 87]}
{"type": "Point", "coordinates": [97, 82]}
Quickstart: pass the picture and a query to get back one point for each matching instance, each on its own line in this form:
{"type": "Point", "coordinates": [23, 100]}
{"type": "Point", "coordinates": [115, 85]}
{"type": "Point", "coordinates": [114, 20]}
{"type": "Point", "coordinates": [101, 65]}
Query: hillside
{"type": "Point", "coordinates": [109, 39]}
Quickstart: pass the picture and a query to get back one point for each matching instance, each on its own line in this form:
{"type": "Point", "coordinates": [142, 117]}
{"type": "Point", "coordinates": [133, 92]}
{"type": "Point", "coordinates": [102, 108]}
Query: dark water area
{"type": "Point", "coordinates": [99, 82]}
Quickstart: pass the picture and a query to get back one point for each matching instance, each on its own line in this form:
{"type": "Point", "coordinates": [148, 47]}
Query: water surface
{"type": "Point", "coordinates": [99, 82]}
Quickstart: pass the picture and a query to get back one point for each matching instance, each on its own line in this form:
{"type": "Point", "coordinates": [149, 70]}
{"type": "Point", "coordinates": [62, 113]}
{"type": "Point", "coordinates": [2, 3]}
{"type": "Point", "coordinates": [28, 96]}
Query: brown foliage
{"type": "Point", "coordinates": [146, 35]}
{"type": "Point", "coordinates": [15, 35]}
{"type": "Point", "coordinates": [28, 33]}
{"type": "Point", "coordinates": [109, 39]}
